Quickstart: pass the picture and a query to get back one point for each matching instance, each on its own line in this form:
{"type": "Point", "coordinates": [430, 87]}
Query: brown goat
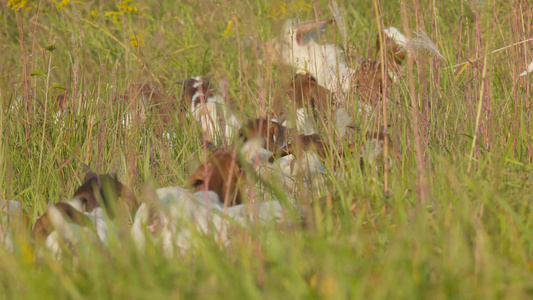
{"type": "Point", "coordinates": [394, 44]}
{"type": "Point", "coordinates": [108, 188]}
{"type": "Point", "coordinates": [220, 174]}
{"type": "Point", "coordinates": [303, 92]}
{"type": "Point", "coordinates": [369, 77]}
{"type": "Point", "coordinates": [369, 81]}
{"type": "Point", "coordinates": [145, 100]}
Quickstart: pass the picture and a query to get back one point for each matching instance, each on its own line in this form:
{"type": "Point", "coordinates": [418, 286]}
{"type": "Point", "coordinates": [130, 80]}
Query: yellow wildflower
{"type": "Point", "coordinates": [63, 3]}
{"type": "Point", "coordinates": [17, 4]}
{"type": "Point", "coordinates": [93, 14]}
{"type": "Point", "coordinates": [137, 41]}
{"type": "Point", "coordinates": [301, 5]}
{"type": "Point", "coordinates": [114, 16]}
{"type": "Point", "coordinates": [126, 6]}
{"type": "Point", "coordinates": [281, 9]}
{"type": "Point", "coordinates": [227, 31]}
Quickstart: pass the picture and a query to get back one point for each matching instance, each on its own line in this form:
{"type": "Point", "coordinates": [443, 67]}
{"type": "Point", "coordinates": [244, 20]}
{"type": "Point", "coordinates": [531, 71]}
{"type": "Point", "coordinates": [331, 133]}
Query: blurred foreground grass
{"type": "Point", "coordinates": [471, 238]}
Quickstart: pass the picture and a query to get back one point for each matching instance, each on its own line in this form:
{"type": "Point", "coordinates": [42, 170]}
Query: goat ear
{"type": "Point", "coordinates": [87, 171]}
{"type": "Point", "coordinates": [298, 37]}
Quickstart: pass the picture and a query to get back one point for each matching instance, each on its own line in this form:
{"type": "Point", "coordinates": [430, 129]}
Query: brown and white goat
{"type": "Point", "coordinates": [296, 46]}
{"type": "Point", "coordinates": [369, 82]}
{"type": "Point", "coordinates": [103, 189]}
{"type": "Point", "coordinates": [224, 171]}
{"type": "Point", "coordinates": [209, 108]}
{"type": "Point", "coordinates": [274, 134]}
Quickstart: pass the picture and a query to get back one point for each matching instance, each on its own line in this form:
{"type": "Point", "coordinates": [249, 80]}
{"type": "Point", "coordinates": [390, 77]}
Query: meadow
{"type": "Point", "coordinates": [449, 219]}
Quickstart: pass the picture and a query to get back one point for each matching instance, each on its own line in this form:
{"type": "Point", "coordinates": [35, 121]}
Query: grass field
{"type": "Point", "coordinates": [449, 221]}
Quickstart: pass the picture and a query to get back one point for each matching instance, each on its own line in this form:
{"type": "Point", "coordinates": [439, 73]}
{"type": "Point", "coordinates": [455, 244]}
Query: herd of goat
{"type": "Point", "coordinates": [282, 148]}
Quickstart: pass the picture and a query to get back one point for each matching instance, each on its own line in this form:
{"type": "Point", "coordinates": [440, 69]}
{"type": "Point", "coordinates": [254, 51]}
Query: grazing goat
{"type": "Point", "coordinates": [221, 174]}
{"type": "Point", "coordinates": [272, 131]}
{"type": "Point", "coordinates": [85, 215]}
{"type": "Point", "coordinates": [296, 46]}
{"type": "Point", "coordinates": [369, 79]}
{"type": "Point", "coordinates": [209, 108]}
{"type": "Point", "coordinates": [304, 96]}
{"type": "Point", "coordinates": [176, 214]}
{"type": "Point", "coordinates": [308, 98]}
{"type": "Point", "coordinates": [300, 144]}
{"type": "Point", "coordinates": [108, 188]}
{"type": "Point", "coordinates": [91, 227]}
{"type": "Point", "coordinates": [369, 82]}
{"type": "Point", "coordinates": [394, 46]}
{"type": "Point", "coordinates": [290, 166]}
{"type": "Point", "coordinates": [223, 171]}
{"type": "Point", "coordinates": [145, 101]}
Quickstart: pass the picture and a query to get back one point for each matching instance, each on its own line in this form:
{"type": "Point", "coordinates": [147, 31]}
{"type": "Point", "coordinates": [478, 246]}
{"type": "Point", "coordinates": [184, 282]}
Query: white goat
{"type": "Point", "coordinates": [297, 46]}
{"type": "Point", "coordinates": [76, 235]}
{"type": "Point", "coordinates": [178, 214]}
{"type": "Point", "coordinates": [175, 218]}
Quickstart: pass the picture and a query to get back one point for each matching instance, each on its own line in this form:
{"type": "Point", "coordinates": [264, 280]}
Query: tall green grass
{"type": "Point", "coordinates": [472, 237]}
